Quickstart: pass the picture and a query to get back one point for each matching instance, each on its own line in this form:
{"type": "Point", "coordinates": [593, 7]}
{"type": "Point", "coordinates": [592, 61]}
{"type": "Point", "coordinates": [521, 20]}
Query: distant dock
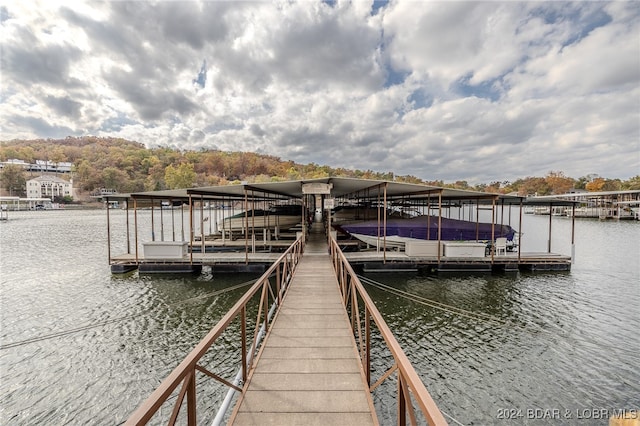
{"type": "Point", "coordinates": [602, 205]}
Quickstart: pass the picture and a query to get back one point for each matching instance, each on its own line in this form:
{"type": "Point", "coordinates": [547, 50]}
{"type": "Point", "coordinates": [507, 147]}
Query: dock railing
{"type": "Point", "coordinates": [362, 312]}
{"type": "Point", "coordinates": [185, 373]}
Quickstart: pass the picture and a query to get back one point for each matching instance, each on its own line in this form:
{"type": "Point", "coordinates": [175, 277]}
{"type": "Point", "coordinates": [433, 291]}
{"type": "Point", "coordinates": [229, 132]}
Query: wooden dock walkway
{"type": "Point", "coordinates": [308, 371]}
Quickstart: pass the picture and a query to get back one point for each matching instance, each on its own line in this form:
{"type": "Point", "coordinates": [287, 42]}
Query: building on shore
{"type": "Point", "coordinates": [47, 186]}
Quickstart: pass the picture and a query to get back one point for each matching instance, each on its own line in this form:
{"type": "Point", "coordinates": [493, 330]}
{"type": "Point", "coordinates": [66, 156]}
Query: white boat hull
{"type": "Point", "coordinates": [390, 242]}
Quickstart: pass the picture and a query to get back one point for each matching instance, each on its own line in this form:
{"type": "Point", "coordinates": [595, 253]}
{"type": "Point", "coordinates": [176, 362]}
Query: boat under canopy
{"type": "Point", "coordinates": [426, 228]}
{"type": "Point", "coordinates": [282, 217]}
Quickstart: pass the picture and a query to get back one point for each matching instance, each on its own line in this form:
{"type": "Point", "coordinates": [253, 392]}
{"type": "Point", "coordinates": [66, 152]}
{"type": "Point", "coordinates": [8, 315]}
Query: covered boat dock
{"type": "Point", "coordinates": [185, 230]}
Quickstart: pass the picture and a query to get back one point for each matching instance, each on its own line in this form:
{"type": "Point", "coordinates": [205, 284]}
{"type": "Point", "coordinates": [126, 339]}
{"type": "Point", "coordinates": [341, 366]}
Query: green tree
{"type": "Point", "coordinates": [87, 176]}
{"type": "Point", "coordinates": [113, 178]}
{"type": "Point", "coordinates": [612, 185]}
{"type": "Point", "coordinates": [181, 177]}
{"type": "Point", "coordinates": [534, 186]}
{"type": "Point", "coordinates": [57, 155]}
{"type": "Point", "coordinates": [13, 179]}
{"type": "Point", "coordinates": [632, 184]}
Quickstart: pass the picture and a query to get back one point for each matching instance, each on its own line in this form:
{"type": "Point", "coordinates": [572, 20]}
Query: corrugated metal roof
{"type": "Point", "coordinates": [361, 189]}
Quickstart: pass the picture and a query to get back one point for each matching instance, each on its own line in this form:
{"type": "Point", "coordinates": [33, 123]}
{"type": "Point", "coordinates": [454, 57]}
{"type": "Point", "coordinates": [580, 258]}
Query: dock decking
{"type": "Point", "coordinates": [308, 371]}
{"type": "Point", "coordinates": [233, 261]}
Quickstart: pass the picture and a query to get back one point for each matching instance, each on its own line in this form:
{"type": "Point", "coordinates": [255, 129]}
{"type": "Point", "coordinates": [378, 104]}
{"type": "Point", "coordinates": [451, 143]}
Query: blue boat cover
{"type": "Point", "coordinates": [422, 226]}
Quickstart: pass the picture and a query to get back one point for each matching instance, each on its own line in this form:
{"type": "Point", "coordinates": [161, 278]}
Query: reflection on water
{"type": "Point", "coordinates": [514, 342]}
{"type": "Point", "coordinates": [83, 346]}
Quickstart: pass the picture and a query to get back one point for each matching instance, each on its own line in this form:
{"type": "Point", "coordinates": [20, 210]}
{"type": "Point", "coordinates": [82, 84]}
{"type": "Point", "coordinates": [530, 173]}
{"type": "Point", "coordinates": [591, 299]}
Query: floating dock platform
{"type": "Point", "coordinates": [321, 199]}
{"type": "Point", "coordinates": [390, 261]}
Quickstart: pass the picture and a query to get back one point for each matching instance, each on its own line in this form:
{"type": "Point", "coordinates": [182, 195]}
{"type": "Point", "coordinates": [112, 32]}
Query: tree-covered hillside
{"type": "Point", "coordinates": [128, 167]}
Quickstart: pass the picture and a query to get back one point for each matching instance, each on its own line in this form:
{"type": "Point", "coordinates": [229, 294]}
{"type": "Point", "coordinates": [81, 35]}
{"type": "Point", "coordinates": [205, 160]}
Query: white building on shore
{"type": "Point", "coordinates": [47, 186]}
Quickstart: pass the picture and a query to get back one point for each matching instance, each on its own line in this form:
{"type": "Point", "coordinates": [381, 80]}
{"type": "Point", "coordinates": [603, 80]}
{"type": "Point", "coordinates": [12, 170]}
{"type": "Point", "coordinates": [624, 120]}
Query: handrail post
{"type": "Point", "coordinates": [409, 383]}
{"type": "Point", "coordinates": [191, 398]}
{"type": "Point", "coordinates": [402, 406]}
{"type": "Point", "coordinates": [265, 305]}
{"type": "Point", "coordinates": [243, 334]}
{"type": "Point", "coordinates": [185, 372]}
{"type": "Point", "coordinates": [278, 279]}
{"type": "Point", "coordinates": [367, 332]}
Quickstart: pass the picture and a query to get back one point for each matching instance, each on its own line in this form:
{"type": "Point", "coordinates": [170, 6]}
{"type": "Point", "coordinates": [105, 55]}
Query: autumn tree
{"type": "Point", "coordinates": [612, 185]}
{"type": "Point", "coordinates": [595, 185]}
{"type": "Point", "coordinates": [602, 184]}
{"type": "Point", "coordinates": [57, 155]}
{"type": "Point", "coordinates": [182, 176]}
{"type": "Point", "coordinates": [558, 183]}
{"type": "Point", "coordinates": [534, 186]}
{"type": "Point", "coordinates": [581, 182]}
{"type": "Point", "coordinates": [461, 184]}
{"type": "Point", "coordinates": [632, 184]}
{"type": "Point", "coordinates": [87, 176]}
{"type": "Point", "coordinates": [493, 187]}
{"type": "Point", "coordinates": [113, 178]}
{"type": "Point", "coordinates": [133, 167]}
{"type": "Point", "coordinates": [155, 174]}
{"type": "Point", "coordinates": [13, 179]}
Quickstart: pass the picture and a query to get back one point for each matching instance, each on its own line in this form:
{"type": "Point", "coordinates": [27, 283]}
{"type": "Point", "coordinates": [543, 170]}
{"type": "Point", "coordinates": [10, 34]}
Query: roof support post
{"type": "Point", "coordinates": [429, 218]}
{"type": "Point", "coordinates": [550, 217]}
{"type": "Point", "coordinates": [520, 231]}
{"type": "Point", "coordinates": [573, 233]}
{"type": "Point", "coordinates": [209, 216]}
{"type": "Point", "coordinates": [379, 219]}
{"type": "Point", "coordinates": [191, 236]}
{"type": "Point", "coordinates": [109, 234]}
{"type": "Point", "coordinates": [128, 233]}
{"type": "Point", "coordinates": [493, 227]}
{"type": "Point", "coordinates": [153, 228]}
{"type": "Point", "coordinates": [182, 220]}
{"type": "Point", "coordinates": [161, 222]}
{"type": "Point", "coordinates": [439, 224]}
{"type": "Point", "coordinates": [135, 224]}
{"type": "Point", "coordinates": [246, 226]}
{"type": "Point", "coordinates": [384, 221]}
{"type": "Point", "coordinates": [173, 220]}
{"type": "Point", "coordinates": [202, 245]}
{"type": "Point", "coordinates": [477, 218]}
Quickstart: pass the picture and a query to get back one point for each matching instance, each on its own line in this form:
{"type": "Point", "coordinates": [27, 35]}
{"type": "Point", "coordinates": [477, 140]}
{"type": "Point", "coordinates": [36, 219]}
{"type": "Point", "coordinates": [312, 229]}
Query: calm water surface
{"type": "Point", "coordinates": [83, 346]}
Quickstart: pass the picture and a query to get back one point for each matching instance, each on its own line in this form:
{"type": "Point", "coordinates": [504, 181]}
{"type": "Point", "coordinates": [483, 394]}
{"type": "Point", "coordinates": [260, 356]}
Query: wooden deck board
{"type": "Point", "coordinates": [354, 257]}
{"type": "Point", "coordinates": [308, 371]}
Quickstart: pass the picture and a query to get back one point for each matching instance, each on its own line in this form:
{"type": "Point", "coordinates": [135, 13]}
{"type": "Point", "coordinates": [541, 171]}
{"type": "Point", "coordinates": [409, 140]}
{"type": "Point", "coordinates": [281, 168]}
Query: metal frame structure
{"type": "Point", "coordinates": [184, 375]}
{"type": "Point", "coordinates": [409, 383]}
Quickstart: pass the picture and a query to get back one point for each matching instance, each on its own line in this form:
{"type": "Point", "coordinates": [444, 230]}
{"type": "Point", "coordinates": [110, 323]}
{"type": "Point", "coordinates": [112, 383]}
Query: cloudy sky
{"type": "Point", "coordinates": [475, 91]}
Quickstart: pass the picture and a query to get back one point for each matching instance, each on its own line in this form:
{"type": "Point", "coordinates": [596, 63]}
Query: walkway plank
{"type": "Point", "coordinates": [308, 372]}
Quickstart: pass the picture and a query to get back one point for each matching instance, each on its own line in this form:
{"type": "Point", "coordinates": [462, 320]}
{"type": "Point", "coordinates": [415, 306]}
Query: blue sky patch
{"type": "Point", "coordinates": [420, 99]}
{"type": "Point", "coordinates": [377, 5]}
{"type": "Point", "coordinates": [115, 124]}
{"type": "Point", "coordinates": [201, 79]}
{"type": "Point", "coordinates": [395, 77]}
{"type": "Point", "coordinates": [485, 90]}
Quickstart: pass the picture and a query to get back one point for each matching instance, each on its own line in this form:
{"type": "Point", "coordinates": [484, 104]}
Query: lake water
{"type": "Point", "coordinates": [83, 346]}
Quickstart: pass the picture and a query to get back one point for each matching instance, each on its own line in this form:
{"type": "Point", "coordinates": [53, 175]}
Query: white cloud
{"type": "Point", "coordinates": [475, 91]}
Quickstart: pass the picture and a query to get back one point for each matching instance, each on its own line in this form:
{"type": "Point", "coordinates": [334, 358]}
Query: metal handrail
{"type": "Point", "coordinates": [185, 372]}
{"type": "Point", "coordinates": [409, 383]}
